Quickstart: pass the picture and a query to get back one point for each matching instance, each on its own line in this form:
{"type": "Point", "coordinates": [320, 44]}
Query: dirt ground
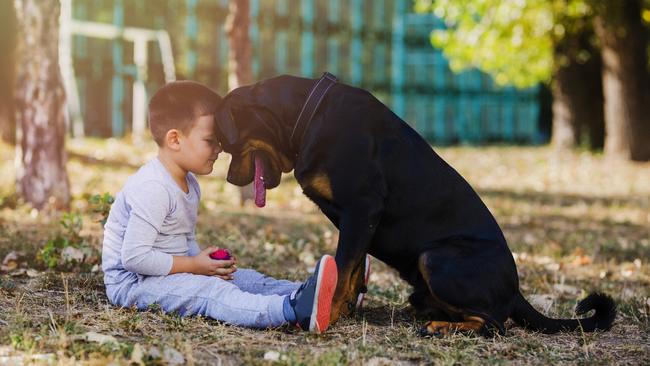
{"type": "Point", "coordinates": [576, 223]}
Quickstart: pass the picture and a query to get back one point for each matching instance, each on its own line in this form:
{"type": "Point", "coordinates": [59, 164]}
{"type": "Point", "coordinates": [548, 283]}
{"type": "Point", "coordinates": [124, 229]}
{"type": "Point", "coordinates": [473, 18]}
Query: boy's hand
{"type": "Point", "coordinates": [204, 265]}
{"type": "Point", "coordinates": [219, 268]}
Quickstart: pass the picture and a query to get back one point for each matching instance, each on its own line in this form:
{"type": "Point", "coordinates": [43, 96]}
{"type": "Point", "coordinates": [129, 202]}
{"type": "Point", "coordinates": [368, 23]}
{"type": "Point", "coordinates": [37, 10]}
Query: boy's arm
{"type": "Point", "coordinates": [138, 254]}
{"type": "Point", "coordinates": [149, 204]}
{"type": "Point", "coordinates": [142, 258]}
{"type": "Point", "coordinates": [183, 264]}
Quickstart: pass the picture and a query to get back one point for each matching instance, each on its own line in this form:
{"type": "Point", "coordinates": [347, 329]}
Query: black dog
{"type": "Point", "coordinates": [390, 195]}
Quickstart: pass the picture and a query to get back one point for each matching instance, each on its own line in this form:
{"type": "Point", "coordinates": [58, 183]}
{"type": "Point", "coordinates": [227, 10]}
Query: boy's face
{"type": "Point", "coordinates": [199, 147]}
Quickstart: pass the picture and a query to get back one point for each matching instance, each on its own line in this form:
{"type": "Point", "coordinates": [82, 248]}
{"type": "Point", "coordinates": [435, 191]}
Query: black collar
{"type": "Point", "coordinates": [309, 108]}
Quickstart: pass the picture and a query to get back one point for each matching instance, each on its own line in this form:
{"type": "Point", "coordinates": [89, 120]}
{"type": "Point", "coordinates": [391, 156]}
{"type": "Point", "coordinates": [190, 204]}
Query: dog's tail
{"type": "Point", "coordinates": [524, 314]}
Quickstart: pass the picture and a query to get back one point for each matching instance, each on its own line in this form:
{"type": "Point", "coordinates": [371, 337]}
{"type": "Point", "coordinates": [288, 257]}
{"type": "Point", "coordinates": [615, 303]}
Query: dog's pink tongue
{"type": "Point", "coordinates": [260, 191]}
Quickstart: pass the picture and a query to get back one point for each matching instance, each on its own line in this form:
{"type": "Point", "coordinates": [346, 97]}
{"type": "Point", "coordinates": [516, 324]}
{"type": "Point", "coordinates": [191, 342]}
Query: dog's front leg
{"type": "Point", "coordinates": [357, 227]}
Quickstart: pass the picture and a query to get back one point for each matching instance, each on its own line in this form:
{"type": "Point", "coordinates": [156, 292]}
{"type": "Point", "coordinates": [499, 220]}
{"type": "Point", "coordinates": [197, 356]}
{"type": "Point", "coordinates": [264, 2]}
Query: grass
{"type": "Point", "coordinates": [576, 224]}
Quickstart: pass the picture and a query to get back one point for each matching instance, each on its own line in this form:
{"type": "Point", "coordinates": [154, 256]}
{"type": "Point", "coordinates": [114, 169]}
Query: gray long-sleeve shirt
{"type": "Point", "coordinates": [151, 220]}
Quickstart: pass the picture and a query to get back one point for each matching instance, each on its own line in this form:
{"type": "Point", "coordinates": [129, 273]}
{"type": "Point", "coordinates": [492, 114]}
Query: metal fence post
{"type": "Point", "coordinates": [117, 92]}
{"type": "Point", "coordinates": [397, 57]}
{"type": "Point", "coordinates": [307, 44]}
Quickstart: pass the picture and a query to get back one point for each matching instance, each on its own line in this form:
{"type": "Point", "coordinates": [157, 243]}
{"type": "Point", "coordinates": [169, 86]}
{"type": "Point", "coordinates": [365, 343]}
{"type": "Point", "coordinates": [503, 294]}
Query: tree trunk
{"type": "Point", "coordinates": [593, 103]}
{"type": "Point", "coordinates": [40, 107]}
{"type": "Point", "coordinates": [623, 42]}
{"type": "Point", "coordinates": [7, 71]}
{"type": "Point", "coordinates": [578, 115]}
{"type": "Point", "coordinates": [240, 71]}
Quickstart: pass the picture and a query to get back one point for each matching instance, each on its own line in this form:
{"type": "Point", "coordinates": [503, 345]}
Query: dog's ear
{"type": "Point", "coordinates": [225, 122]}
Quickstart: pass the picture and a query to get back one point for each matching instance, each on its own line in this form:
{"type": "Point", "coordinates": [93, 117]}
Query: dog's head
{"type": "Point", "coordinates": [251, 133]}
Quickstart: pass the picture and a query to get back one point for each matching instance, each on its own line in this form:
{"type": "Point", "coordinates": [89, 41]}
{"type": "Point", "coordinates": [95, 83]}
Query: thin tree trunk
{"type": "Point", "coordinates": [240, 71]}
{"type": "Point", "coordinates": [565, 123]}
{"type": "Point", "coordinates": [7, 71]}
{"type": "Point", "coordinates": [593, 102]}
{"type": "Point", "coordinates": [578, 115]}
{"type": "Point", "coordinates": [40, 107]}
{"type": "Point", "coordinates": [624, 43]}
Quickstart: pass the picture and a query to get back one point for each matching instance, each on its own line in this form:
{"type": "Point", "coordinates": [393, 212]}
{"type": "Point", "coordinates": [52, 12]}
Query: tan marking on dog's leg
{"type": "Point", "coordinates": [436, 328]}
{"type": "Point", "coordinates": [355, 285]}
{"type": "Point", "coordinates": [340, 295]}
{"type": "Point", "coordinates": [345, 298]}
{"type": "Point", "coordinates": [471, 323]}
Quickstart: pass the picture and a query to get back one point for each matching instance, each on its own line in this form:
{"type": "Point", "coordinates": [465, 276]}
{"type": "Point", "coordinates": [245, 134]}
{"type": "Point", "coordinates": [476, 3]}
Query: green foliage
{"type": "Point", "coordinates": [100, 205]}
{"type": "Point", "coordinates": [511, 40]}
{"type": "Point", "coordinates": [72, 224]}
{"type": "Point", "coordinates": [51, 252]}
{"type": "Point", "coordinates": [68, 250]}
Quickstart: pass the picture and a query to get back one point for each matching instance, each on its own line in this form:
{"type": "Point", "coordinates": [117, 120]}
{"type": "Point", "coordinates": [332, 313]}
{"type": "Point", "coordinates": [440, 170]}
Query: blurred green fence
{"type": "Point", "coordinates": [378, 45]}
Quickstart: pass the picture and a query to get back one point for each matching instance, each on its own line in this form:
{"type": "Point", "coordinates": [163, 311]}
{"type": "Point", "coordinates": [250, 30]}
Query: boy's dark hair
{"type": "Point", "coordinates": [177, 104]}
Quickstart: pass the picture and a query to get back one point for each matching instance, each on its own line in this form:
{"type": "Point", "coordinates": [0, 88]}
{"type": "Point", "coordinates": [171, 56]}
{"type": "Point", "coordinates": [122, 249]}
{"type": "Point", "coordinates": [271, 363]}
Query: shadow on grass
{"type": "Point", "coordinates": [89, 160]}
{"type": "Point", "coordinates": [558, 235]}
{"type": "Point", "coordinates": [387, 315]}
{"type": "Point", "coordinates": [565, 200]}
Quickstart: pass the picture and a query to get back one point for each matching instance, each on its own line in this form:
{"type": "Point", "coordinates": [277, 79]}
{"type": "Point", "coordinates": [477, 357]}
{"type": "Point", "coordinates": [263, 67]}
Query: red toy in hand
{"type": "Point", "coordinates": [221, 254]}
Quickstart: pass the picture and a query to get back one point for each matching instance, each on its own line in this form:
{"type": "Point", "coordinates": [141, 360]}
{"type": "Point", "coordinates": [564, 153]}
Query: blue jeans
{"type": "Point", "coordinates": [251, 299]}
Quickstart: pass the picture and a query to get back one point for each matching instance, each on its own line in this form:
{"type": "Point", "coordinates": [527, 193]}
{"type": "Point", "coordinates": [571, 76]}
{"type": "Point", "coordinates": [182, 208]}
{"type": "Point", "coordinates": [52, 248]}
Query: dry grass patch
{"type": "Point", "coordinates": [576, 224]}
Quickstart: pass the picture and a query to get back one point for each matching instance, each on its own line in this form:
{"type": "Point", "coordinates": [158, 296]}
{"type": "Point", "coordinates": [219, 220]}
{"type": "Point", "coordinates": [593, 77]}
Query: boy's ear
{"type": "Point", "coordinates": [172, 138]}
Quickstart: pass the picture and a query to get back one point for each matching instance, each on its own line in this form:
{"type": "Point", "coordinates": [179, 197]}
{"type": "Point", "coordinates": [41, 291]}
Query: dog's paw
{"type": "Point", "coordinates": [435, 329]}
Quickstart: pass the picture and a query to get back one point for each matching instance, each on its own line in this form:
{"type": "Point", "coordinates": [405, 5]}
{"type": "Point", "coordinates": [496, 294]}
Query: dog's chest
{"type": "Point", "coordinates": [317, 185]}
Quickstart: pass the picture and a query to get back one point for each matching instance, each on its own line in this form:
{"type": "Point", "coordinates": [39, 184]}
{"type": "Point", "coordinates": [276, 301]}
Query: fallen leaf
{"type": "Point", "coordinates": [169, 356]}
{"type": "Point", "coordinates": [10, 262]}
{"type": "Point", "coordinates": [542, 301]}
{"type": "Point", "coordinates": [99, 338]}
{"type": "Point", "coordinates": [627, 272]}
{"type": "Point", "coordinates": [39, 359]}
{"type": "Point", "coordinates": [553, 267]}
{"type": "Point", "coordinates": [627, 294]}
{"type": "Point", "coordinates": [137, 354]}
{"type": "Point", "coordinates": [18, 272]}
{"type": "Point", "coordinates": [307, 258]}
{"type": "Point", "coordinates": [581, 260]}
{"type": "Point", "coordinates": [567, 289]}
{"type": "Point", "coordinates": [384, 361]}
{"type": "Point", "coordinates": [32, 273]}
{"type": "Point", "coordinates": [272, 355]}
{"type": "Point", "coordinates": [70, 254]}
{"type": "Point", "coordinates": [154, 352]}
{"type": "Point", "coordinates": [173, 357]}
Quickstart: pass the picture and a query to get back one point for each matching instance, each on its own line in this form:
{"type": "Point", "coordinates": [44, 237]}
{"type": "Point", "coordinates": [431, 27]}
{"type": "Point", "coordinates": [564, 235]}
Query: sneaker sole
{"type": "Point", "coordinates": [366, 277]}
{"type": "Point", "coordinates": [325, 287]}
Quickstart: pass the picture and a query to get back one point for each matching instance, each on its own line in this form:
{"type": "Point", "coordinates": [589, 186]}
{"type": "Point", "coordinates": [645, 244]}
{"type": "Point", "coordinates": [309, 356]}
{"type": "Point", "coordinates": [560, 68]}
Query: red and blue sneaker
{"type": "Point", "coordinates": [312, 303]}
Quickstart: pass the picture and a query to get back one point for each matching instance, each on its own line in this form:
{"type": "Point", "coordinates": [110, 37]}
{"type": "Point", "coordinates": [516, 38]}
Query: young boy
{"type": "Point", "coordinates": [150, 255]}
